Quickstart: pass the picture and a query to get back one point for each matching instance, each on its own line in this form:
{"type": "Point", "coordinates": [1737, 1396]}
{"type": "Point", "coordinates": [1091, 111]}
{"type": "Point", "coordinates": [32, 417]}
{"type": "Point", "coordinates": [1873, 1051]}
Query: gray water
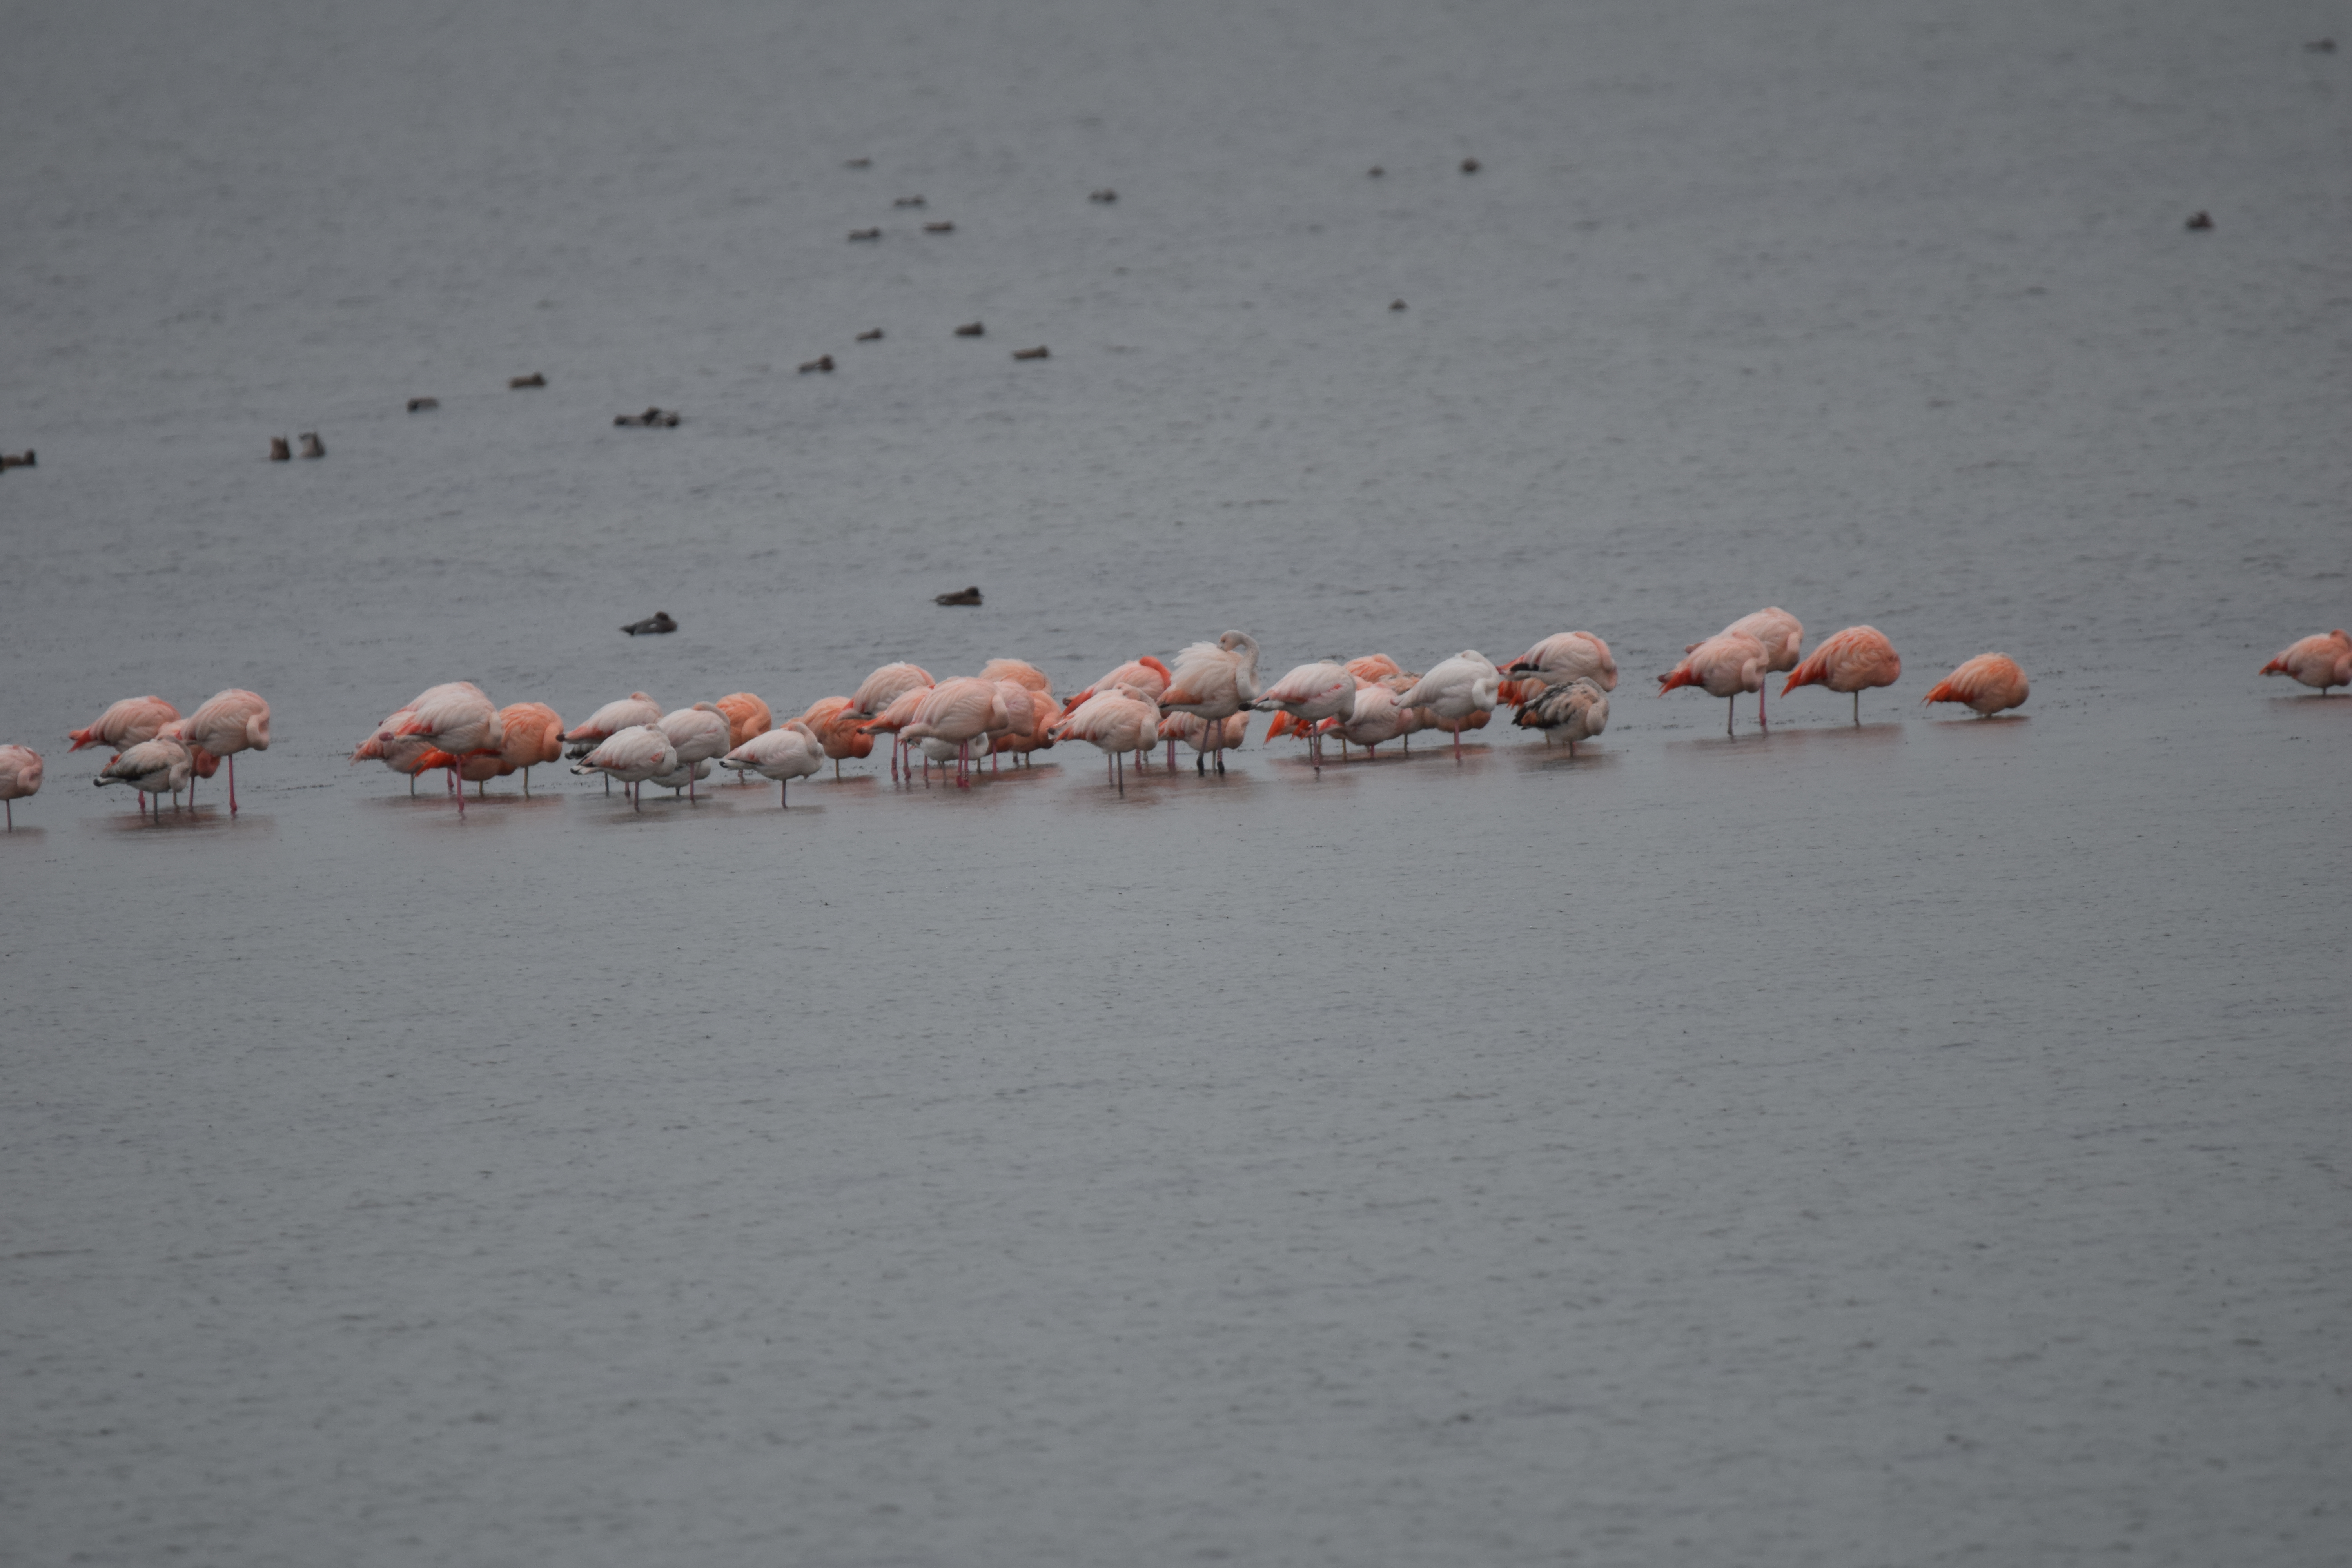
{"type": "Point", "coordinates": [1914, 1143]}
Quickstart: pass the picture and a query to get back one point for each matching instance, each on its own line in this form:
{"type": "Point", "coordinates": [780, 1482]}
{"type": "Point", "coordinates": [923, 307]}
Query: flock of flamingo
{"type": "Point", "coordinates": [1559, 686]}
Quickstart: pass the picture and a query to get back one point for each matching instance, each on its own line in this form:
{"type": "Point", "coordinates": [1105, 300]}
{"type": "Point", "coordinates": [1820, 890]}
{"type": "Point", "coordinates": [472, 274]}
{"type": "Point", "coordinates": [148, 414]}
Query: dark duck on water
{"type": "Point", "coordinates": [659, 621]}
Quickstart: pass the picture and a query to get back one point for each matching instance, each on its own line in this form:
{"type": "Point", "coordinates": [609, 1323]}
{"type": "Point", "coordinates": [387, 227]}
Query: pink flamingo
{"type": "Point", "coordinates": [1724, 665]}
{"type": "Point", "coordinates": [632, 756]}
{"type": "Point", "coordinates": [698, 734]}
{"type": "Point", "coordinates": [151, 767]}
{"type": "Point", "coordinates": [1576, 711]}
{"type": "Point", "coordinates": [2321, 661]}
{"type": "Point", "coordinates": [460, 720]}
{"type": "Point", "coordinates": [1782, 635]}
{"type": "Point", "coordinates": [746, 716]}
{"type": "Point", "coordinates": [876, 694]}
{"type": "Point", "coordinates": [1988, 683]}
{"type": "Point", "coordinates": [125, 723]}
{"type": "Point", "coordinates": [1457, 691]}
{"type": "Point", "coordinates": [609, 720]}
{"type": "Point", "coordinates": [534, 737]}
{"type": "Point", "coordinates": [1116, 722]}
{"type": "Point", "coordinates": [1853, 660]}
{"type": "Point", "coordinates": [1309, 695]}
{"type": "Point", "coordinates": [836, 723]}
{"type": "Point", "coordinates": [1147, 675]}
{"type": "Point", "coordinates": [20, 776]}
{"type": "Point", "coordinates": [1557, 660]}
{"type": "Point", "coordinates": [1374, 721]}
{"type": "Point", "coordinates": [791, 750]}
{"type": "Point", "coordinates": [1213, 680]}
{"type": "Point", "coordinates": [224, 724]}
{"type": "Point", "coordinates": [958, 712]}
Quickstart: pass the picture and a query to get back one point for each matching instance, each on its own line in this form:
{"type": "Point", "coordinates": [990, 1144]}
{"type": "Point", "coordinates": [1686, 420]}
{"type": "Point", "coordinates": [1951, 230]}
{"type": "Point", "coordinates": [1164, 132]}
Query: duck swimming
{"type": "Point", "coordinates": [968, 597]}
{"type": "Point", "coordinates": [659, 621]}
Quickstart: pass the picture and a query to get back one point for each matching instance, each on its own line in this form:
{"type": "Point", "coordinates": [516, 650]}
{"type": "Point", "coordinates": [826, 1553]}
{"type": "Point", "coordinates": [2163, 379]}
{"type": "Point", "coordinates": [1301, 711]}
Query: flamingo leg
{"type": "Point", "coordinates": [1761, 722]}
{"type": "Point", "coordinates": [1457, 745]}
{"type": "Point", "coordinates": [232, 786]}
{"type": "Point", "coordinates": [1730, 712]}
{"type": "Point", "coordinates": [1857, 710]}
{"type": "Point", "coordinates": [1118, 763]}
{"type": "Point", "coordinates": [458, 790]}
{"type": "Point", "coordinates": [783, 786]}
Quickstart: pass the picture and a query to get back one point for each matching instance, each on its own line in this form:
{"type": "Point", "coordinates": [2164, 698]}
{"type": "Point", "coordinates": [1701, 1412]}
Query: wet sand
{"type": "Point", "coordinates": [1911, 1142]}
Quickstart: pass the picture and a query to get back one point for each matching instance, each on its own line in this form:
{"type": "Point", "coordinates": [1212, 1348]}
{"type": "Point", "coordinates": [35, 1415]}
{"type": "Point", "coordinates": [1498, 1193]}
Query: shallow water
{"type": "Point", "coordinates": [1896, 1143]}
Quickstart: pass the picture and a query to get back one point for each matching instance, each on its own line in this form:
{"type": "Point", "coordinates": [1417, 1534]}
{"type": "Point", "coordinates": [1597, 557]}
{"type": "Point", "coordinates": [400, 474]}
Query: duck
{"type": "Point", "coordinates": [2200, 220]}
{"type": "Point", "coordinates": [862, 234]}
{"type": "Point", "coordinates": [421, 404]}
{"type": "Point", "coordinates": [659, 621]}
{"type": "Point", "coordinates": [871, 335]}
{"type": "Point", "coordinates": [23, 459]}
{"type": "Point", "coordinates": [518, 382]}
{"type": "Point", "coordinates": [909, 201]}
{"type": "Point", "coordinates": [966, 597]}
{"type": "Point", "coordinates": [938, 228]}
{"type": "Point", "coordinates": [822, 363]}
{"type": "Point", "coordinates": [311, 446]}
{"type": "Point", "coordinates": [971, 330]}
{"type": "Point", "coordinates": [1102, 197]}
{"type": "Point", "coordinates": [1040, 352]}
{"type": "Point", "coordinates": [279, 451]}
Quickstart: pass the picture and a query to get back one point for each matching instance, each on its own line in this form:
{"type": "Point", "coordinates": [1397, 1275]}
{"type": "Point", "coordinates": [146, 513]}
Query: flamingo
{"type": "Point", "coordinates": [222, 725]}
{"type": "Point", "coordinates": [125, 724]}
{"type": "Point", "coordinates": [1020, 671]}
{"type": "Point", "coordinates": [1780, 633]}
{"type": "Point", "coordinates": [632, 756]}
{"type": "Point", "coordinates": [683, 777]}
{"type": "Point", "coordinates": [791, 750]}
{"type": "Point", "coordinates": [534, 736]}
{"type": "Point", "coordinates": [1205, 734]}
{"type": "Point", "coordinates": [698, 734]}
{"type": "Point", "coordinates": [1577, 710]}
{"type": "Point", "coordinates": [609, 720]}
{"type": "Point", "coordinates": [2321, 661]}
{"type": "Point", "coordinates": [1213, 680]}
{"type": "Point", "coordinates": [834, 721]}
{"type": "Point", "coordinates": [1988, 683]}
{"type": "Point", "coordinates": [893, 721]}
{"type": "Point", "coordinates": [1455, 691]}
{"type": "Point", "coordinates": [1374, 721]}
{"type": "Point", "coordinates": [746, 716]}
{"type": "Point", "coordinates": [459, 720]}
{"type": "Point", "coordinates": [1724, 665]}
{"type": "Point", "coordinates": [1024, 711]}
{"type": "Point", "coordinates": [151, 767]}
{"type": "Point", "coordinates": [476, 768]}
{"type": "Point", "coordinates": [1557, 660]}
{"type": "Point", "coordinates": [20, 776]}
{"type": "Point", "coordinates": [1309, 695]}
{"type": "Point", "coordinates": [1147, 675]}
{"type": "Point", "coordinates": [958, 712]}
{"type": "Point", "coordinates": [1852, 660]}
{"type": "Point", "coordinates": [404, 755]}
{"type": "Point", "coordinates": [1116, 722]}
{"type": "Point", "coordinates": [878, 690]}
{"type": "Point", "coordinates": [1025, 741]}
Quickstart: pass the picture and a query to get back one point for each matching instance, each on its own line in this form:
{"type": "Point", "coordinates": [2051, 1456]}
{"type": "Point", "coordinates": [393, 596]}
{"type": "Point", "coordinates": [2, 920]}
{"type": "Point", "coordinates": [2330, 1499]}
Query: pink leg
{"type": "Point", "coordinates": [781, 785]}
{"type": "Point", "coordinates": [232, 786]}
{"type": "Point", "coordinates": [1171, 754]}
{"type": "Point", "coordinates": [1457, 745]}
